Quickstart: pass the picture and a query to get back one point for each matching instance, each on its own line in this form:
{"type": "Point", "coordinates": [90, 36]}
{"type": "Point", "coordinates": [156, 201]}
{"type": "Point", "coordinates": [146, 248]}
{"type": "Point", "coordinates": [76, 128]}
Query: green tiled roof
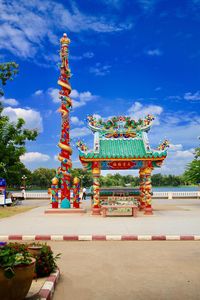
{"type": "Point", "coordinates": [123, 148]}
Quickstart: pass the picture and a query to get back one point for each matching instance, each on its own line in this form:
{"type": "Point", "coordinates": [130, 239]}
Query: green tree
{"type": "Point", "coordinates": [85, 176]}
{"type": "Point", "coordinates": [13, 136]}
{"type": "Point", "coordinates": [157, 179]}
{"type": "Point", "coordinates": [192, 173]}
{"type": "Point", "coordinates": [7, 72]}
{"type": "Point", "coordinates": [42, 177]}
{"type": "Point", "coordinates": [15, 175]}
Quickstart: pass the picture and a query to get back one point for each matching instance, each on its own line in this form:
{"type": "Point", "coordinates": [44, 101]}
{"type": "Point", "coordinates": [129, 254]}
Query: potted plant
{"type": "Point", "coordinates": [34, 249]}
{"type": "Point", "coordinates": [45, 261]}
{"type": "Point", "coordinates": [16, 271]}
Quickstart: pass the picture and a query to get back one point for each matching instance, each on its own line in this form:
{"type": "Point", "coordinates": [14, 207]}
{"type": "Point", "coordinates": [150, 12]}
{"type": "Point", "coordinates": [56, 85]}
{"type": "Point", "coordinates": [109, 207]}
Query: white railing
{"type": "Point", "coordinates": [167, 195]}
{"type": "Point", "coordinates": [29, 195]}
{"type": "Point", "coordinates": [172, 195]}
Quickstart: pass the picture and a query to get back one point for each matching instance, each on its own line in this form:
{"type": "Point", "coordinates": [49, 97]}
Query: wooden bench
{"type": "Point", "coordinates": [105, 210]}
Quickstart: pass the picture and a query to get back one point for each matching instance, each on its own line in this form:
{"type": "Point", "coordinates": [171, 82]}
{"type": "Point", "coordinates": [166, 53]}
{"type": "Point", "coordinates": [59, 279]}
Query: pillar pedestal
{"type": "Point", "coordinates": [54, 204]}
{"type": "Point", "coordinates": [96, 211]}
{"type": "Point", "coordinates": [148, 211]}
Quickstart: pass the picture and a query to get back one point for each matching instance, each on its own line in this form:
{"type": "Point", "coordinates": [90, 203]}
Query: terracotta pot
{"type": "Point", "coordinates": [34, 250]}
{"type": "Point", "coordinates": [17, 287]}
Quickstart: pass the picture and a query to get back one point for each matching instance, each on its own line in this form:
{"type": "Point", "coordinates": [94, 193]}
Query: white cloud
{"type": "Point", "coordinates": [10, 101]}
{"type": "Point", "coordinates": [175, 97]}
{"type": "Point", "coordinates": [32, 118]}
{"type": "Point", "coordinates": [78, 98]}
{"type": "Point", "coordinates": [84, 55]}
{"type": "Point", "coordinates": [30, 157]}
{"type": "Point", "coordinates": [98, 116]}
{"type": "Point", "coordinates": [78, 132]}
{"type": "Point", "coordinates": [147, 5]}
{"type": "Point", "coordinates": [26, 25]}
{"type": "Point", "coordinates": [158, 88]}
{"type": "Point", "coordinates": [81, 98]}
{"type": "Point", "coordinates": [154, 52]}
{"type": "Point", "coordinates": [185, 153]}
{"type": "Point", "coordinates": [175, 147]}
{"type": "Point", "coordinates": [15, 40]}
{"type": "Point", "coordinates": [137, 111]}
{"type": "Point", "coordinates": [54, 95]}
{"type": "Point", "coordinates": [100, 70]}
{"type": "Point", "coordinates": [56, 157]}
{"type": "Point", "coordinates": [192, 97]}
{"type": "Point", "coordinates": [176, 162]}
{"type": "Point", "coordinates": [179, 129]}
{"type": "Point", "coordinates": [88, 54]}
{"type": "Point", "coordinates": [76, 121]}
{"type": "Point", "coordinates": [38, 93]}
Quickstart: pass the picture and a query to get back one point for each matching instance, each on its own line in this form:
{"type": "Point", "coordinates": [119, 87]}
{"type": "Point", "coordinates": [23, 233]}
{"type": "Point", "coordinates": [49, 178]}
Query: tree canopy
{"type": "Point", "coordinates": [13, 136]}
{"type": "Point", "coordinates": [7, 72]}
{"type": "Point", "coordinates": [192, 173]}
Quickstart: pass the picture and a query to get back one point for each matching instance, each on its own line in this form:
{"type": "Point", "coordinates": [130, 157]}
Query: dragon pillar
{"type": "Point", "coordinates": [64, 171]}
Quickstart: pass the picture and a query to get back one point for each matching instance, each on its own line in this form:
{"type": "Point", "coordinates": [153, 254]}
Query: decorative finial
{"type": "Point", "coordinates": [65, 41]}
{"type": "Point", "coordinates": [164, 145]}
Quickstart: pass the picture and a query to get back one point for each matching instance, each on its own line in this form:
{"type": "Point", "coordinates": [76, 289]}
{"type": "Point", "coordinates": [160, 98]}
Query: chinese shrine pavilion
{"type": "Point", "coordinates": [121, 143]}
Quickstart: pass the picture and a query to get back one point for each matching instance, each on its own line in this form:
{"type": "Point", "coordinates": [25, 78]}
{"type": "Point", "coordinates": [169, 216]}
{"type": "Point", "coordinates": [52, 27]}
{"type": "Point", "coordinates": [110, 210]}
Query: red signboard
{"type": "Point", "coordinates": [116, 165]}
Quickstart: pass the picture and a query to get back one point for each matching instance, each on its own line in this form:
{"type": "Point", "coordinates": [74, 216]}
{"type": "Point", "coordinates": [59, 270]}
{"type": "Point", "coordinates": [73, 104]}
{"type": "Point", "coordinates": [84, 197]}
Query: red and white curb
{"type": "Point", "coordinates": [88, 237]}
{"type": "Point", "coordinates": [47, 290]}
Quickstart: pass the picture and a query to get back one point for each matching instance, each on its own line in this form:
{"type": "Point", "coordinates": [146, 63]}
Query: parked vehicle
{"type": "Point", "coordinates": [4, 198]}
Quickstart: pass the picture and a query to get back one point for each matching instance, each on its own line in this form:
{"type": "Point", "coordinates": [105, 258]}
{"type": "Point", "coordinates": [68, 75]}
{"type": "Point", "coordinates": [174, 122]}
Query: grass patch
{"type": "Point", "coordinates": [6, 212]}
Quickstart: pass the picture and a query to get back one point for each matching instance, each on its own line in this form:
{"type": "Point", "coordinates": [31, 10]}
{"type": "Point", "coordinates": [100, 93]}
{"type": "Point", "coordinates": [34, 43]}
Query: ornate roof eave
{"type": "Point", "coordinates": [88, 159]}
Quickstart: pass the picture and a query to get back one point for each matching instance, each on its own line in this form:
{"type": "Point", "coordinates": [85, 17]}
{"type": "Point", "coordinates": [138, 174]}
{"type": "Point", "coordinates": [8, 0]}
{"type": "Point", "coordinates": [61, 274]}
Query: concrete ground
{"type": "Point", "coordinates": [120, 270]}
{"type": "Point", "coordinates": [171, 217]}
{"type": "Point", "coordinates": [128, 270]}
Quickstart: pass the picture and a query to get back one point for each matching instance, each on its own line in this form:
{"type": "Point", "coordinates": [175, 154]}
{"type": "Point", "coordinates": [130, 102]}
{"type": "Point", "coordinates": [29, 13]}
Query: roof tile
{"type": "Point", "coordinates": [123, 148]}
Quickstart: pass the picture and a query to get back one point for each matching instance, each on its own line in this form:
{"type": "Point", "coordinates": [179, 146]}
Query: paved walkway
{"type": "Point", "coordinates": [117, 271]}
{"type": "Point", "coordinates": [171, 217]}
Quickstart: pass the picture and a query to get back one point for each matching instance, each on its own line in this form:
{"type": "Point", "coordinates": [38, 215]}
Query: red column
{"type": "Point", "coordinates": [96, 206]}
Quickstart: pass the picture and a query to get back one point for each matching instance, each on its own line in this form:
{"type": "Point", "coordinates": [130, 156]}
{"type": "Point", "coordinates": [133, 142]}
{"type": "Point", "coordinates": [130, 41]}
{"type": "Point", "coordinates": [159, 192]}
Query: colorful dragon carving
{"type": "Point", "coordinates": [81, 146]}
{"type": "Point", "coordinates": [63, 172]}
{"type": "Point", "coordinates": [120, 126]}
{"type": "Point", "coordinates": [164, 145]}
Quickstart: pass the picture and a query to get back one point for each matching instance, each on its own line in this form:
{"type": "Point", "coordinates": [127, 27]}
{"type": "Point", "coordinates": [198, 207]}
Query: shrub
{"type": "Point", "coordinates": [45, 261]}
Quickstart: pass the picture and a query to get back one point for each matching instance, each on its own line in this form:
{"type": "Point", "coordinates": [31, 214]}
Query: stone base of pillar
{"type": "Point", "coordinates": [142, 206]}
{"type": "Point", "coordinates": [54, 204]}
{"type": "Point", "coordinates": [96, 211]}
{"type": "Point", "coordinates": [148, 211]}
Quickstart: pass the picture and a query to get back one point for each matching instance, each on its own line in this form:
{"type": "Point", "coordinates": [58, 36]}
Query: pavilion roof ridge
{"type": "Point", "coordinates": [122, 125]}
{"type": "Point", "coordinates": [120, 138]}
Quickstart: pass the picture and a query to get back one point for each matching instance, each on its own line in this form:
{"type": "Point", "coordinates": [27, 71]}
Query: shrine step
{"type": "Point", "coordinates": [64, 211]}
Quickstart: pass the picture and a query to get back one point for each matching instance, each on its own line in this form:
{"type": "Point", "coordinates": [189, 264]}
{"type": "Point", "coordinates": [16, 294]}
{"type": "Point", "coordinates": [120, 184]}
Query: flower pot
{"type": "Point", "coordinates": [34, 250]}
{"type": "Point", "coordinates": [18, 286]}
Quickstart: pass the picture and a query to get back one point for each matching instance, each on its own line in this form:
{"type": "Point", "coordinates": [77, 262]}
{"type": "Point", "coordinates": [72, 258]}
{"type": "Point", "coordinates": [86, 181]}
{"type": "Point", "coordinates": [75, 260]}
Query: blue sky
{"type": "Point", "coordinates": [127, 58]}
